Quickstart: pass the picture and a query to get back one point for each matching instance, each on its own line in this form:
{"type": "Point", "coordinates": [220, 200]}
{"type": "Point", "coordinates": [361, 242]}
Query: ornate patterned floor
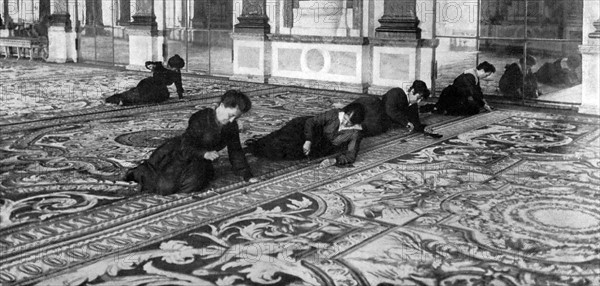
{"type": "Point", "coordinates": [504, 198]}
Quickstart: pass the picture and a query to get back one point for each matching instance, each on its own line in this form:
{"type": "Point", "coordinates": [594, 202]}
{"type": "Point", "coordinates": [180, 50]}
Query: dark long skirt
{"type": "Point", "coordinates": [287, 143]}
{"type": "Point", "coordinates": [147, 91]}
{"type": "Point", "coordinates": [453, 103]}
{"type": "Point", "coordinates": [169, 170]}
{"type": "Point", "coordinates": [376, 120]}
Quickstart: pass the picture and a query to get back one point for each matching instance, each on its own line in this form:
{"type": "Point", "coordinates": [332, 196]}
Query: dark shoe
{"type": "Point", "coordinates": [420, 128]}
{"type": "Point", "coordinates": [115, 99]}
{"type": "Point", "coordinates": [129, 176]}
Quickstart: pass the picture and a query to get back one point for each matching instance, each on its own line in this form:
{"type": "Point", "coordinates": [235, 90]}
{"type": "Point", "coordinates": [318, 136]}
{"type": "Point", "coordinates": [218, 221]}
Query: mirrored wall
{"type": "Point", "coordinates": [532, 43]}
{"type": "Point", "coordinates": [197, 30]}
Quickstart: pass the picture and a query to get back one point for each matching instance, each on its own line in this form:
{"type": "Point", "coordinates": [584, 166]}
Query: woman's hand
{"type": "Point", "coordinates": [327, 162]}
{"type": "Point", "coordinates": [211, 155]}
{"type": "Point", "coordinates": [306, 148]}
{"type": "Point", "coordinates": [410, 126]}
{"type": "Point", "coordinates": [253, 180]}
{"type": "Point", "coordinates": [488, 108]}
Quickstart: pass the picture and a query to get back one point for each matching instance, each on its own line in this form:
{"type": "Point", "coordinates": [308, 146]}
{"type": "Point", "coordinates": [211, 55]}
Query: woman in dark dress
{"type": "Point", "coordinates": [184, 163]}
{"type": "Point", "coordinates": [315, 137]}
{"type": "Point", "coordinates": [396, 107]}
{"type": "Point", "coordinates": [153, 89]}
{"type": "Point", "coordinates": [518, 80]}
{"type": "Point", "coordinates": [464, 96]}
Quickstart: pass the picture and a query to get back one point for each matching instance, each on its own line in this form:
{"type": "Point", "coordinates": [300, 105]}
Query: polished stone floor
{"type": "Point", "coordinates": [509, 197]}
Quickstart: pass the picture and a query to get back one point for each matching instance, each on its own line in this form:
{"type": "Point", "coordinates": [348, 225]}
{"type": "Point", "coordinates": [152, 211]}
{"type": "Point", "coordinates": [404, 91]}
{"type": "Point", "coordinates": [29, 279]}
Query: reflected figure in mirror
{"type": "Point", "coordinates": [518, 80]}
{"type": "Point", "coordinates": [561, 72]}
{"type": "Point", "coordinates": [464, 96]}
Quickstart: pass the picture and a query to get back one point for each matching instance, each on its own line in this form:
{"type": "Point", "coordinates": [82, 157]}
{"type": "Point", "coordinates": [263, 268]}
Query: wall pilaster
{"type": "Point", "coordinates": [399, 20]}
{"type": "Point", "coordinates": [590, 53]}
{"type": "Point", "coordinates": [61, 37]}
{"type": "Point", "coordinates": [144, 42]}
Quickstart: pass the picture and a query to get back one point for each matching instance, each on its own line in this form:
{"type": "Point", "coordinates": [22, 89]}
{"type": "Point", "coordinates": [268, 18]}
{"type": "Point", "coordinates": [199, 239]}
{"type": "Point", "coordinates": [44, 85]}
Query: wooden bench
{"type": "Point", "coordinates": [21, 43]}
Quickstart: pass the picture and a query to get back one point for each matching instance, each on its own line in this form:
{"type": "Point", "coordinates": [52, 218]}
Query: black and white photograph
{"type": "Point", "coordinates": [300, 142]}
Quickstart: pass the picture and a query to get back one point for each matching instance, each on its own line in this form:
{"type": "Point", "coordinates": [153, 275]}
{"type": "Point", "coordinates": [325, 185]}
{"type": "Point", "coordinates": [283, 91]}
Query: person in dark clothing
{"type": "Point", "coordinates": [376, 122]}
{"type": "Point", "coordinates": [153, 89]}
{"type": "Point", "coordinates": [395, 108]}
{"type": "Point", "coordinates": [518, 80]}
{"type": "Point", "coordinates": [315, 137]}
{"type": "Point", "coordinates": [183, 164]}
{"type": "Point", "coordinates": [464, 96]}
{"type": "Point", "coordinates": [561, 72]}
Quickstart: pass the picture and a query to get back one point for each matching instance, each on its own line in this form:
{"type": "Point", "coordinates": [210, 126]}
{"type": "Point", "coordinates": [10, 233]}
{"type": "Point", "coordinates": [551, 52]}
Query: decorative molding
{"type": "Point", "coordinates": [141, 30]}
{"type": "Point", "coordinates": [418, 43]}
{"type": "Point", "coordinates": [320, 84]}
{"type": "Point", "coordinates": [249, 36]}
{"type": "Point", "coordinates": [143, 20]}
{"type": "Point", "coordinates": [363, 41]}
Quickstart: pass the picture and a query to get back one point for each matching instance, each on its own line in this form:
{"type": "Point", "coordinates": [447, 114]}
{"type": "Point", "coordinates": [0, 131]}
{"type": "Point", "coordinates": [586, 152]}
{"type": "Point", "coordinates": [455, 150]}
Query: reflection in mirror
{"type": "Point", "coordinates": [453, 56]}
{"type": "Point", "coordinates": [557, 71]}
{"type": "Point", "coordinates": [502, 18]}
{"type": "Point", "coordinates": [554, 19]}
{"type": "Point", "coordinates": [505, 55]}
{"type": "Point", "coordinates": [456, 18]}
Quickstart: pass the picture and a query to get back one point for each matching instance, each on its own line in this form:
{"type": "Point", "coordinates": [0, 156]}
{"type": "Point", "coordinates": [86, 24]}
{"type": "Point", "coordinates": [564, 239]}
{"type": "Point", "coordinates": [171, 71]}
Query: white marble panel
{"type": "Point", "coordinates": [590, 93]}
{"type": "Point", "coordinates": [248, 57]}
{"type": "Point", "coordinates": [327, 62]}
{"type": "Point", "coordinates": [393, 65]}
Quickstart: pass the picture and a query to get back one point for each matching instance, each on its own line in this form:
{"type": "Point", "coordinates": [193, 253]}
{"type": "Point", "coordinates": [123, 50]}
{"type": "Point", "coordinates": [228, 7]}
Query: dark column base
{"type": "Point", "coordinates": [250, 24]}
{"type": "Point", "coordinates": [403, 28]}
{"type": "Point", "coordinates": [143, 20]}
{"type": "Point", "coordinates": [61, 20]}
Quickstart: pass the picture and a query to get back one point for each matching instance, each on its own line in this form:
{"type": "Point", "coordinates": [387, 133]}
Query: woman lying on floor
{"type": "Point", "coordinates": [153, 89]}
{"type": "Point", "coordinates": [315, 137]}
{"type": "Point", "coordinates": [395, 108]}
{"type": "Point", "coordinates": [184, 163]}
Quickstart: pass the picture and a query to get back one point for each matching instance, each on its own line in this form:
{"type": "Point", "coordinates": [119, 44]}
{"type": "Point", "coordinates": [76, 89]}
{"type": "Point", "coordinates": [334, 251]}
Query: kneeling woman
{"type": "Point", "coordinates": [184, 163]}
{"type": "Point", "coordinates": [315, 136]}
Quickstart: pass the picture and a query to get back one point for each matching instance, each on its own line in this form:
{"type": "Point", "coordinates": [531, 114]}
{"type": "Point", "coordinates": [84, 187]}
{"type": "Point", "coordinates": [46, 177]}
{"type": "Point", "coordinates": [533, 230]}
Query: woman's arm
{"type": "Point", "coordinates": [349, 156]}
{"type": "Point", "coordinates": [178, 84]}
{"type": "Point", "coordinates": [237, 157]}
{"type": "Point", "coordinates": [471, 89]}
{"type": "Point", "coordinates": [396, 109]}
{"type": "Point", "coordinates": [189, 148]}
{"type": "Point", "coordinates": [318, 121]}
